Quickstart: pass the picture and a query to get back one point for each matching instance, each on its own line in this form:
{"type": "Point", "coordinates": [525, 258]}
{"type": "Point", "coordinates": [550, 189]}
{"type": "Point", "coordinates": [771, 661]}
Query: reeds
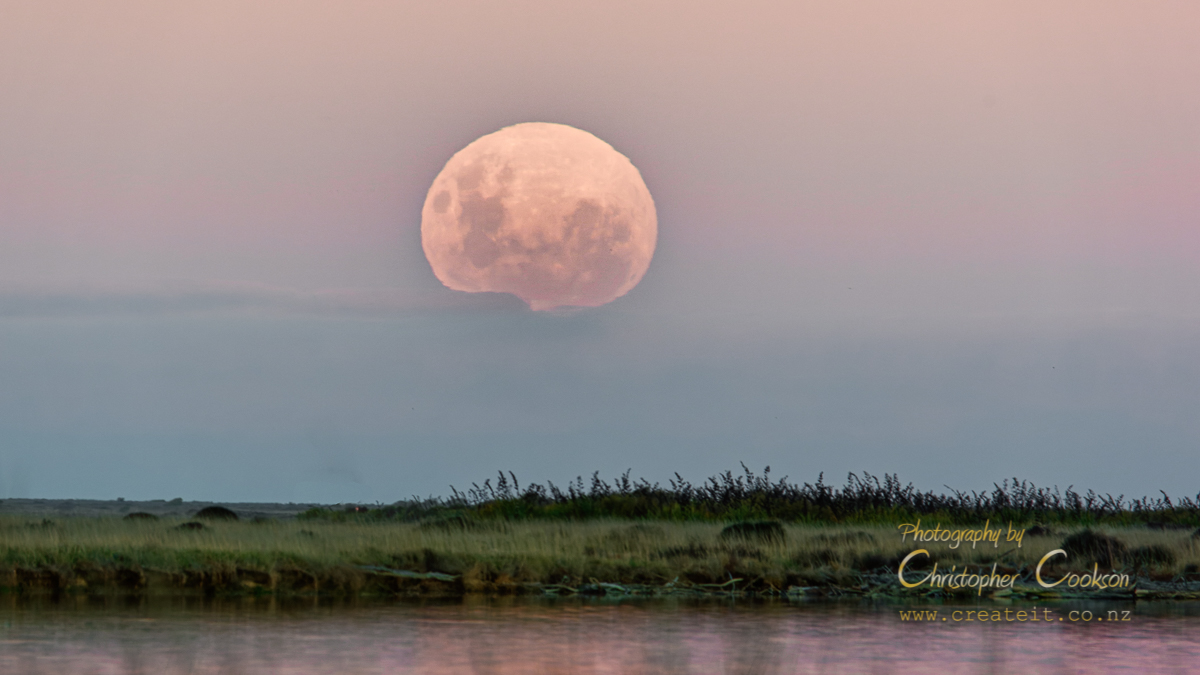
{"type": "Point", "coordinates": [863, 500]}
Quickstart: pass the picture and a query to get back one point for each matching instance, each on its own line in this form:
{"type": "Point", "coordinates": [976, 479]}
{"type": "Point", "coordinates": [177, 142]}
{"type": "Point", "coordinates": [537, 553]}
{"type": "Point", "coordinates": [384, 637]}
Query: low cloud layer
{"type": "Point", "coordinates": [169, 299]}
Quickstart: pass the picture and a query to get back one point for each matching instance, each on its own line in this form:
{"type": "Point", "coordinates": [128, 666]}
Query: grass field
{"type": "Point", "coordinates": [364, 555]}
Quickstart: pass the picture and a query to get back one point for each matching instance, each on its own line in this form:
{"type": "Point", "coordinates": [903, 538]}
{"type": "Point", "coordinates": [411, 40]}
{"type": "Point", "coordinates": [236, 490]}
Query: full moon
{"type": "Point", "coordinates": [546, 212]}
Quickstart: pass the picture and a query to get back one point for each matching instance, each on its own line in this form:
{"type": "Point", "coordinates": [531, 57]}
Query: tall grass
{"type": "Point", "coordinates": [863, 500]}
{"type": "Point", "coordinates": [487, 555]}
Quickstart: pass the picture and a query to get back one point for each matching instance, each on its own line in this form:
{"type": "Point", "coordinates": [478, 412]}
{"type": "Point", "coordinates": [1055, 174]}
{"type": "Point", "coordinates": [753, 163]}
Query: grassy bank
{"type": "Point", "coordinates": [464, 554]}
{"type": "Point", "coordinates": [509, 538]}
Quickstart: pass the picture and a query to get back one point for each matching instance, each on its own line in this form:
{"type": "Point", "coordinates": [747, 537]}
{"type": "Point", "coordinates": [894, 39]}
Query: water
{"type": "Point", "coordinates": [168, 636]}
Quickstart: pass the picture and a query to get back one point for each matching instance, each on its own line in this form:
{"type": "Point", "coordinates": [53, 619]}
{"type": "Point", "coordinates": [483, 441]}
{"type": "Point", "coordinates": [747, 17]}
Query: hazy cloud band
{"type": "Point", "coordinates": [27, 302]}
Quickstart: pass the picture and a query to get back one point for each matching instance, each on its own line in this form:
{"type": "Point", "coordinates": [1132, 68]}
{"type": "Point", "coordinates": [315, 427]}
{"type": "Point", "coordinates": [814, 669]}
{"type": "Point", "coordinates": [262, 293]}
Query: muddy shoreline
{"type": "Point", "coordinates": [90, 580]}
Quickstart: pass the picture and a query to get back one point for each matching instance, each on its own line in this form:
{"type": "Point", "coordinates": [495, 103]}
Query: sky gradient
{"type": "Point", "coordinates": [953, 241]}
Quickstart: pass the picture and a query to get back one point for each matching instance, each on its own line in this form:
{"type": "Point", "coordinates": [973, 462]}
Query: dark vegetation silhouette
{"type": "Point", "coordinates": [216, 513]}
{"type": "Point", "coordinates": [140, 515]}
{"type": "Point", "coordinates": [864, 499]}
{"type": "Point", "coordinates": [1089, 545]}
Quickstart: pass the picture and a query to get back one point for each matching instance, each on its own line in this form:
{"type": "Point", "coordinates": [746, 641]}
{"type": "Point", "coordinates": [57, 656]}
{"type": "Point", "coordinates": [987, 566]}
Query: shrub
{"type": "Point", "coordinates": [1095, 546]}
{"type": "Point", "coordinates": [140, 515]}
{"type": "Point", "coordinates": [216, 513]}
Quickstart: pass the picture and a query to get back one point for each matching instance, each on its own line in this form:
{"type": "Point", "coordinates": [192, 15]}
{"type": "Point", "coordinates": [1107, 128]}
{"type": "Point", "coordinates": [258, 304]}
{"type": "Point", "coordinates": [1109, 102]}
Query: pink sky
{"type": "Point", "coordinates": [276, 132]}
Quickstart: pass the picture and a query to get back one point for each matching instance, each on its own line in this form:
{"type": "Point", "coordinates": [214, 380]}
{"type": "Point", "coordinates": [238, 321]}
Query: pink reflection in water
{"type": "Point", "coordinates": [572, 637]}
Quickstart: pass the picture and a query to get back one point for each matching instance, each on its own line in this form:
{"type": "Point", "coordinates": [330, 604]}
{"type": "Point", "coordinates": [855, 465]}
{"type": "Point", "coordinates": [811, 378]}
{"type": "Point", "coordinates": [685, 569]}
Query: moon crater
{"type": "Point", "coordinates": [546, 212]}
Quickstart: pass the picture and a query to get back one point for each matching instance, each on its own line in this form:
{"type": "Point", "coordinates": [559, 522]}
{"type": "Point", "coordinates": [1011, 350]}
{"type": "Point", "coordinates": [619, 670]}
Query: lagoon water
{"type": "Point", "coordinates": [152, 636]}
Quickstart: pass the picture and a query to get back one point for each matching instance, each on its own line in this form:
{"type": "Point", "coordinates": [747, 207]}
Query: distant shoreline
{"type": "Point", "coordinates": [97, 508]}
